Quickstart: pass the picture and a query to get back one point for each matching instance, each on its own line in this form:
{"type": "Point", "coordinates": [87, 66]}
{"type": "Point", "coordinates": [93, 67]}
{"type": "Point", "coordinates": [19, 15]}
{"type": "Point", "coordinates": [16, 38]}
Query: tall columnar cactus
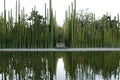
{"type": "Point", "coordinates": [74, 28]}
{"type": "Point", "coordinates": [72, 24]}
{"type": "Point", "coordinates": [47, 16]}
{"type": "Point", "coordinates": [11, 20]}
{"type": "Point", "coordinates": [19, 25]}
{"type": "Point", "coordinates": [8, 23]}
{"type": "Point", "coordinates": [48, 35]}
{"type": "Point", "coordinates": [45, 13]}
{"type": "Point", "coordinates": [19, 13]}
{"type": "Point", "coordinates": [23, 15]}
{"type": "Point", "coordinates": [51, 19]}
{"type": "Point", "coordinates": [5, 27]}
{"type": "Point", "coordinates": [16, 11]}
{"type": "Point", "coordinates": [69, 27]}
{"type": "Point", "coordinates": [45, 31]}
{"type": "Point", "coordinates": [118, 24]}
{"type": "Point", "coordinates": [65, 27]}
{"type": "Point", "coordinates": [54, 30]}
{"type": "Point", "coordinates": [5, 15]}
{"type": "Point", "coordinates": [69, 13]}
{"type": "Point", "coordinates": [50, 4]}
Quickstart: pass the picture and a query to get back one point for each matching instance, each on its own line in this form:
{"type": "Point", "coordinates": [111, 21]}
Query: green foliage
{"type": "Point", "coordinates": [32, 32]}
{"type": "Point", "coordinates": [85, 31]}
{"type": "Point", "coordinates": [80, 29]}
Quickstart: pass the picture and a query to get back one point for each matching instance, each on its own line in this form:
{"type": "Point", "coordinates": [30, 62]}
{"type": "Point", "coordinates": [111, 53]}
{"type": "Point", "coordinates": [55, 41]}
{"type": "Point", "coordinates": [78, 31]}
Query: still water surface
{"type": "Point", "coordinates": [60, 66]}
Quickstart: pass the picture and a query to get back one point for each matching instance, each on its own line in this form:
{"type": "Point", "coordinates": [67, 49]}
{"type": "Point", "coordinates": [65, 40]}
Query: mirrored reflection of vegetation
{"type": "Point", "coordinates": [43, 66]}
{"type": "Point", "coordinates": [25, 66]}
{"type": "Point", "coordinates": [87, 65]}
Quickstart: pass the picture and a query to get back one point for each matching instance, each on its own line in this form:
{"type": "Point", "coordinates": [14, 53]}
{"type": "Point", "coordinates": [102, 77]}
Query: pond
{"type": "Point", "coordinates": [59, 66]}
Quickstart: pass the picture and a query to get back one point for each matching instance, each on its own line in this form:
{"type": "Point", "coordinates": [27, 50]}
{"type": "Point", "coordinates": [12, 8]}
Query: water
{"type": "Point", "coordinates": [60, 66]}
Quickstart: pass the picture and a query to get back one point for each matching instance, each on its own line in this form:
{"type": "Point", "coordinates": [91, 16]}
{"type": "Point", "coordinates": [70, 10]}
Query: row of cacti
{"type": "Point", "coordinates": [27, 32]}
{"type": "Point", "coordinates": [81, 29]}
{"type": "Point", "coordinates": [77, 33]}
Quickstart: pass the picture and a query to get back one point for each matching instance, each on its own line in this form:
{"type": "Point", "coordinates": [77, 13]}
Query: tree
{"type": "Point", "coordinates": [84, 17]}
{"type": "Point", "coordinates": [36, 18]}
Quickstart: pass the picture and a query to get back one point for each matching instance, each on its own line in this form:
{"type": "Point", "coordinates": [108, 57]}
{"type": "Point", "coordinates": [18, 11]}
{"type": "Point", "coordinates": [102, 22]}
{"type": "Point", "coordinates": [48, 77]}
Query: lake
{"type": "Point", "coordinates": [59, 65]}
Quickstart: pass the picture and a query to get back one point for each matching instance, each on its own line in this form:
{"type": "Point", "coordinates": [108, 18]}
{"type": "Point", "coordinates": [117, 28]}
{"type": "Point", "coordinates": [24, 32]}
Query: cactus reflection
{"type": "Point", "coordinates": [79, 66]}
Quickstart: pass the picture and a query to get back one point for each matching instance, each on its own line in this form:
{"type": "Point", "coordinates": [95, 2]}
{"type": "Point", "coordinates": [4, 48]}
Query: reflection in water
{"type": "Point", "coordinates": [0, 76]}
{"type": "Point", "coordinates": [60, 70]}
{"type": "Point", "coordinates": [54, 66]}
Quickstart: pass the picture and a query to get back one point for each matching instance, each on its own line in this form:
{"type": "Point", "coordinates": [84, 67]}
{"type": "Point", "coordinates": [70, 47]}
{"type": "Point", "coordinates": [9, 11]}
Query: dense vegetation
{"type": "Point", "coordinates": [34, 31]}
{"type": "Point", "coordinates": [82, 29]}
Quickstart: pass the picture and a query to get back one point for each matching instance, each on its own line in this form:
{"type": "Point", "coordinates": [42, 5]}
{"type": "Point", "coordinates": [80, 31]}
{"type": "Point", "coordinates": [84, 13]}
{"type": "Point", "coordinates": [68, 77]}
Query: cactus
{"type": "Point", "coordinates": [72, 24]}
{"type": "Point", "coordinates": [5, 27]}
{"type": "Point", "coordinates": [51, 26]}
{"type": "Point", "coordinates": [74, 27]}
{"type": "Point", "coordinates": [16, 11]}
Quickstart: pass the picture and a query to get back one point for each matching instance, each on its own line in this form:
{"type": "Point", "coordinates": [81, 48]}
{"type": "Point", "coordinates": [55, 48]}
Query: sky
{"type": "Point", "coordinates": [99, 7]}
